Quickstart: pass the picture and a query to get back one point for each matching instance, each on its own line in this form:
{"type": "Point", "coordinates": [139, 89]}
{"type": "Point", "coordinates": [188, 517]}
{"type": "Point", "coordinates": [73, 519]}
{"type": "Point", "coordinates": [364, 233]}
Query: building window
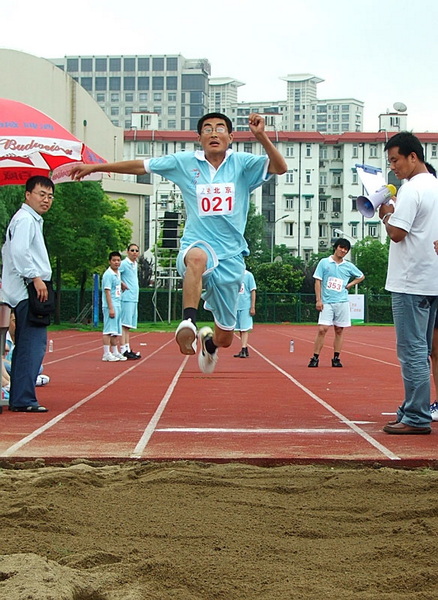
{"type": "Point", "coordinates": [307, 203]}
{"type": "Point", "coordinates": [355, 151]}
{"type": "Point", "coordinates": [289, 202]}
{"type": "Point", "coordinates": [100, 97]}
{"type": "Point", "coordinates": [308, 150]}
{"type": "Point", "coordinates": [157, 109]}
{"type": "Point", "coordinates": [143, 64]}
{"type": "Point", "coordinates": [337, 152]}
{"type": "Point", "coordinates": [100, 84]}
{"type": "Point", "coordinates": [158, 63]}
{"type": "Point", "coordinates": [87, 64]}
{"type": "Point", "coordinates": [322, 230]}
{"type": "Point", "coordinates": [290, 177]}
{"type": "Point", "coordinates": [373, 150]}
{"type": "Point", "coordinates": [171, 97]}
{"type": "Point", "coordinates": [306, 229]}
{"type": "Point", "coordinates": [354, 178]}
{"type": "Point", "coordinates": [114, 83]}
{"type": "Point", "coordinates": [434, 151]}
{"type": "Point", "coordinates": [171, 110]}
{"type": "Point", "coordinates": [172, 63]}
{"type": "Point", "coordinates": [171, 124]}
{"type": "Point", "coordinates": [372, 230]}
{"type": "Point", "coordinates": [115, 64]}
{"type": "Point", "coordinates": [72, 65]}
{"type": "Point", "coordinates": [143, 97]}
{"type": "Point", "coordinates": [336, 203]}
{"type": "Point", "coordinates": [289, 151]}
{"type": "Point", "coordinates": [354, 203]}
{"type": "Point", "coordinates": [308, 176]}
{"type": "Point", "coordinates": [289, 229]}
{"type": "Point", "coordinates": [323, 179]}
{"type": "Point", "coordinates": [129, 97]}
{"type": "Point", "coordinates": [115, 122]}
{"type": "Point", "coordinates": [129, 83]}
{"type": "Point", "coordinates": [158, 83]}
{"type": "Point", "coordinates": [142, 148]}
{"type": "Point", "coordinates": [353, 230]}
{"type": "Point", "coordinates": [171, 83]}
{"type": "Point", "coordinates": [101, 64]}
{"type": "Point", "coordinates": [87, 83]}
{"type": "Point", "coordinates": [114, 110]}
{"type": "Point", "coordinates": [337, 178]}
{"type": "Point", "coordinates": [323, 153]}
{"type": "Point", "coordinates": [128, 110]}
{"type": "Point", "coordinates": [157, 97]}
{"type": "Point", "coordinates": [129, 65]}
{"type": "Point", "coordinates": [115, 97]}
{"type": "Point", "coordinates": [143, 83]}
{"type": "Point", "coordinates": [322, 205]}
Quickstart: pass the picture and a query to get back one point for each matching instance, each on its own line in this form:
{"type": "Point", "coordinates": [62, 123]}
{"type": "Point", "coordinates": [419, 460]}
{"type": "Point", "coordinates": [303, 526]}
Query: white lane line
{"type": "Point", "coordinates": [142, 443]}
{"type": "Point", "coordinates": [334, 412]}
{"type": "Point", "coordinates": [29, 438]}
{"type": "Point", "coordinates": [243, 430]}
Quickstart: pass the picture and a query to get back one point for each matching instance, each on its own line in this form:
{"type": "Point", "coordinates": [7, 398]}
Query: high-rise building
{"type": "Point", "coordinates": [171, 86]}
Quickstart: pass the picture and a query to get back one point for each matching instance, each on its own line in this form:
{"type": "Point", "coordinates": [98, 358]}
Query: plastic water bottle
{"type": "Point", "coordinates": [50, 345]}
{"type": "Point", "coordinates": [291, 346]}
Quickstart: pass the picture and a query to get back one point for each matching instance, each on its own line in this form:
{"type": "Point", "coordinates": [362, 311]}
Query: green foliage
{"type": "Point", "coordinates": [82, 227]}
{"type": "Point", "coordinates": [255, 237]}
{"type": "Point", "coordinates": [278, 277]}
{"type": "Point", "coordinates": [11, 198]}
{"type": "Point", "coordinates": [371, 257]}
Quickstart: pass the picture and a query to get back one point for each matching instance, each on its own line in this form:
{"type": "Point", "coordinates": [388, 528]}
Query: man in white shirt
{"type": "Point", "coordinates": [25, 260]}
{"type": "Point", "coordinates": [412, 277]}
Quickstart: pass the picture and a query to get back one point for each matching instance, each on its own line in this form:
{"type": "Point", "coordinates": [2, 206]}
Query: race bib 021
{"type": "Point", "coordinates": [215, 199]}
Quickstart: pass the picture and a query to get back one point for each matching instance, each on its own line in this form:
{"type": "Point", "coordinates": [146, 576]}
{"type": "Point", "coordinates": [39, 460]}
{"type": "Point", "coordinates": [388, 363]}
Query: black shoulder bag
{"type": "Point", "coordinates": [40, 312]}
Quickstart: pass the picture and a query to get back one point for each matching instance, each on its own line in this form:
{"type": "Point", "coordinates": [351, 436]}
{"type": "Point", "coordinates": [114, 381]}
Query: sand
{"type": "Point", "coordinates": [192, 531]}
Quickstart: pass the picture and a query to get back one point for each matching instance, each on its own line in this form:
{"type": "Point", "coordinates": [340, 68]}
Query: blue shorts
{"type": "Point", "coordinates": [244, 320]}
{"type": "Point", "coordinates": [112, 326]}
{"type": "Point", "coordinates": [221, 282]}
{"type": "Point", "coordinates": [129, 314]}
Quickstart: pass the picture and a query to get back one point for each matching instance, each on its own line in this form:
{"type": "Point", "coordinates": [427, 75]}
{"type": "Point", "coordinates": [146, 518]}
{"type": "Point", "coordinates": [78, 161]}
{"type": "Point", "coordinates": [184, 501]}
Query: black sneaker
{"type": "Point", "coordinates": [246, 352]}
{"type": "Point", "coordinates": [314, 362]}
{"type": "Point", "coordinates": [240, 355]}
{"type": "Point", "coordinates": [336, 362]}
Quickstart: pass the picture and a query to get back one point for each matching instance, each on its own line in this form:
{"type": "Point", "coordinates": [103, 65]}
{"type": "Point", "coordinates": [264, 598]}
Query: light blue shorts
{"type": "Point", "coordinates": [221, 282]}
{"type": "Point", "coordinates": [337, 314]}
{"type": "Point", "coordinates": [129, 314]}
{"type": "Point", "coordinates": [112, 326]}
{"type": "Point", "coordinates": [244, 320]}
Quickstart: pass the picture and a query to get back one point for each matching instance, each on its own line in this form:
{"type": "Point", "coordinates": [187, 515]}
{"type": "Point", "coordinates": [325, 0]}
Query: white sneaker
{"type": "Point", "coordinates": [206, 361]}
{"type": "Point", "coordinates": [119, 356]}
{"type": "Point", "coordinates": [434, 411]}
{"type": "Point", "coordinates": [42, 380]}
{"type": "Point", "coordinates": [185, 336]}
{"type": "Point", "coordinates": [108, 357]}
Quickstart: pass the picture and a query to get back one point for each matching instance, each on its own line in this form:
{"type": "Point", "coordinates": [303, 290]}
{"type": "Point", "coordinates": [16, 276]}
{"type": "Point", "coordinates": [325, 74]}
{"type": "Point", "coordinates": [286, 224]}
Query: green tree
{"type": "Point", "coordinates": [11, 198]}
{"type": "Point", "coordinates": [278, 277]}
{"type": "Point", "coordinates": [81, 228]}
{"type": "Point", "coordinates": [371, 257]}
{"type": "Point", "coordinates": [255, 238]}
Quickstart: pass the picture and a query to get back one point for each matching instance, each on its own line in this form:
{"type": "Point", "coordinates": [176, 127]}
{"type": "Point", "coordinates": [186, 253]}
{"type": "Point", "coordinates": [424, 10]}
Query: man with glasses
{"type": "Point", "coordinates": [130, 291]}
{"type": "Point", "coordinates": [25, 260]}
{"type": "Point", "coordinates": [216, 183]}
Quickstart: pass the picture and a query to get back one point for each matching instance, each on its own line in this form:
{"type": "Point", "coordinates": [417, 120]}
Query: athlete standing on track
{"type": "Point", "coordinates": [216, 183]}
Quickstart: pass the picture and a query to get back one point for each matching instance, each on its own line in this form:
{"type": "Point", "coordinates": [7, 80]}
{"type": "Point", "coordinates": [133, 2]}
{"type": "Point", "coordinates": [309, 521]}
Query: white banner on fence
{"type": "Point", "coordinates": [357, 307]}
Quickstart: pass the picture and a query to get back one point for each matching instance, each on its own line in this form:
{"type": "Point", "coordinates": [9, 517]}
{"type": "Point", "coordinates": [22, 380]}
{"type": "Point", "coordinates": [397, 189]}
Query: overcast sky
{"type": "Point", "coordinates": [376, 51]}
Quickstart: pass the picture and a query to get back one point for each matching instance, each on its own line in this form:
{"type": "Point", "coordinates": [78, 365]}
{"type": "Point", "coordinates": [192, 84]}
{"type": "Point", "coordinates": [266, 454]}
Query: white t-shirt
{"type": "Point", "coordinates": [413, 262]}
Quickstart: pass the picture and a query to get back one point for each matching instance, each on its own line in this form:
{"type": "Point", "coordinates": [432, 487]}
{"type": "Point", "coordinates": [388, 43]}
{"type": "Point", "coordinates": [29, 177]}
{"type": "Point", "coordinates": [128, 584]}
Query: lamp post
{"type": "Point", "coordinates": [272, 235]}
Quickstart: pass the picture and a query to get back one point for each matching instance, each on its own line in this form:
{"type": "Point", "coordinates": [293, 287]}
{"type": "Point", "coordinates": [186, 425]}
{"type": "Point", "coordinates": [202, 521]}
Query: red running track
{"type": "Point", "coordinates": [268, 408]}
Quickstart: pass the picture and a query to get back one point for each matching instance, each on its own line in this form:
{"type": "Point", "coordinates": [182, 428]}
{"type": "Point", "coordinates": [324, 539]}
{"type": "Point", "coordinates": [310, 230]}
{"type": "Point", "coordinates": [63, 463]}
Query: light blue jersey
{"type": "Point", "coordinates": [248, 285]}
{"type": "Point", "coordinates": [334, 277]}
{"type": "Point", "coordinates": [129, 273]}
{"type": "Point", "coordinates": [111, 281]}
{"type": "Point", "coordinates": [216, 201]}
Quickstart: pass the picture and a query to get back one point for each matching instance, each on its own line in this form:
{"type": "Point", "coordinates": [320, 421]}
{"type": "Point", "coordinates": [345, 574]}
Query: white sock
{"type": "Point", "coordinates": [106, 349]}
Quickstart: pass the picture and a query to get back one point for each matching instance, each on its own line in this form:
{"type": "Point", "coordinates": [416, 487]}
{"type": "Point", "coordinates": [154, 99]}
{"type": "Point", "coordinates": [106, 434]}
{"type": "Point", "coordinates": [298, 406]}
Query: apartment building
{"type": "Point", "coordinates": [301, 111]}
{"type": "Point", "coordinates": [170, 86]}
